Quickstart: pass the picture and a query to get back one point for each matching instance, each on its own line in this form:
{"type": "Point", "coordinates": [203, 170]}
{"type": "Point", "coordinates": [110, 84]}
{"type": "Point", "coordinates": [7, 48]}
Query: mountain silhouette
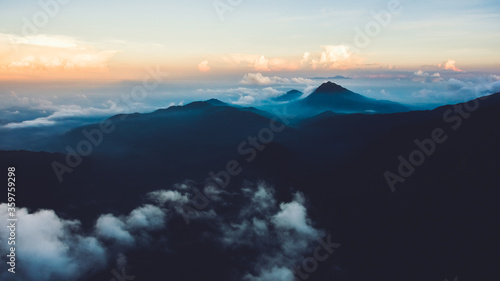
{"type": "Point", "coordinates": [440, 219]}
{"type": "Point", "coordinates": [290, 96]}
{"type": "Point", "coordinates": [331, 96]}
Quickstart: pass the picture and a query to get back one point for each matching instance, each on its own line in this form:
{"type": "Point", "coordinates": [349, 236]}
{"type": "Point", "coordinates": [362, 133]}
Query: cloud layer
{"type": "Point", "coordinates": [331, 57]}
{"type": "Point", "coordinates": [53, 248]}
{"type": "Point", "coordinates": [259, 79]}
{"type": "Point", "coordinates": [450, 65]}
{"type": "Point", "coordinates": [282, 233]}
{"type": "Point", "coordinates": [51, 54]}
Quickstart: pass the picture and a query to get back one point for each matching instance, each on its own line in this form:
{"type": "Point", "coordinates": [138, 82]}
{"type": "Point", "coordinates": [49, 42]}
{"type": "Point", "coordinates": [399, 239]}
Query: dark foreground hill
{"type": "Point", "coordinates": [410, 196]}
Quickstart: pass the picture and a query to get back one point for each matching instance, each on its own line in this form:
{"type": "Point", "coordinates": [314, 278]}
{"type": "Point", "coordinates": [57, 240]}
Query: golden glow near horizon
{"type": "Point", "coordinates": [70, 40]}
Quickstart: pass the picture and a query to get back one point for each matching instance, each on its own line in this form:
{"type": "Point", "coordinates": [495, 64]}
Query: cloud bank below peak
{"type": "Point", "coordinates": [259, 79]}
{"type": "Point", "coordinates": [279, 233]}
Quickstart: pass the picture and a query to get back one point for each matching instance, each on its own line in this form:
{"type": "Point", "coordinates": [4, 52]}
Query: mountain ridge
{"type": "Point", "coordinates": [331, 96]}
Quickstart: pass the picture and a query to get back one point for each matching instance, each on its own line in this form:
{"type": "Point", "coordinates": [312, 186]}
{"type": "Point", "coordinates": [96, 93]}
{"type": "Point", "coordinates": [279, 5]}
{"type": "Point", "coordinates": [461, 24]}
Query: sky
{"type": "Point", "coordinates": [73, 57]}
{"type": "Point", "coordinates": [117, 40]}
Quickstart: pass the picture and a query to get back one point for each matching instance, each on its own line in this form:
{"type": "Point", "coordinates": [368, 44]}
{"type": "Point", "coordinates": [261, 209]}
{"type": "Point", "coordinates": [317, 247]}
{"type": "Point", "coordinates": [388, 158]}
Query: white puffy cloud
{"type": "Point", "coordinates": [300, 80]}
{"type": "Point", "coordinates": [39, 122]}
{"type": "Point", "coordinates": [110, 227]}
{"type": "Point", "coordinates": [253, 219]}
{"type": "Point", "coordinates": [258, 94]}
{"type": "Point", "coordinates": [213, 192]}
{"type": "Point", "coordinates": [331, 57]}
{"type": "Point", "coordinates": [270, 92]}
{"type": "Point", "coordinates": [456, 84]}
{"type": "Point", "coordinates": [147, 217]}
{"type": "Point", "coordinates": [260, 227]}
{"type": "Point", "coordinates": [495, 87]}
{"type": "Point", "coordinates": [454, 90]}
{"type": "Point", "coordinates": [425, 74]}
{"type": "Point", "coordinates": [163, 197]}
{"type": "Point", "coordinates": [256, 78]}
{"type": "Point", "coordinates": [134, 229]}
{"type": "Point", "coordinates": [203, 66]}
{"type": "Point", "coordinates": [74, 60]}
{"type": "Point", "coordinates": [425, 77]}
{"type": "Point", "coordinates": [178, 200]}
{"type": "Point", "coordinates": [327, 57]}
{"type": "Point", "coordinates": [245, 100]}
{"type": "Point", "coordinates": [305, 59]}
{"type": "Point", "coordinates": [282, 234]}
{"type": "Point", "coordinates": [261, 199]}
{"type": "Point", "coordinates": [51, 248]}
{"type": "Point", "coordinates": [42, 53]}
{"type": "Point", "coordinates": [259, 79]}
{"type": "Point", "coordinates": [58, 113]}
{"type": "Point", "coordinates": [259, 62]}
{"type": "Point", "coordinates": [309, 89]}
{"type": "Point", "coordinates": [293, 216]}
{"type": "Point", "coordinates": [67, 111]}
{"type": "Point", "coordinates": [450, 65]}
{"type": "Point", "coordinates": [334, 53]}
{"type": "Point", "coordinates": [246, 95]}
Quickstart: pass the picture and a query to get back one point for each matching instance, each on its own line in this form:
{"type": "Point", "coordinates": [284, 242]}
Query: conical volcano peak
{"type": "Point", "coordinates": [330, 87]}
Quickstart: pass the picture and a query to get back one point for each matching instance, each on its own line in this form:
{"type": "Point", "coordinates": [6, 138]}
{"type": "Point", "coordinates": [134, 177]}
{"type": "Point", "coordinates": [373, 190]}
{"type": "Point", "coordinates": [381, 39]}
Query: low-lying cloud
{"type": "Point", "coordinates": [425, 77]}
{"type": "Point", "coordinates": [332, 57]}
{"type": "Point", "coordinates": [450, 65]}
{"type": "Point", "coordinates": [259, 79]}
{"type": "Point", "coordinates": [454, 90]}
{"type": "Point", "coordinates": [53, 248]}
{"type": "Point", "coordinates": [59, 113]}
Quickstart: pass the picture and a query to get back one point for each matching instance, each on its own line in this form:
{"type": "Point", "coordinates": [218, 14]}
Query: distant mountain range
{"type": "Point", "coordinates": [441, 218]}
{"type": "Point", "coordinates": [333, 97]}
{"type": "Point", "coordinates": [290, 96]}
